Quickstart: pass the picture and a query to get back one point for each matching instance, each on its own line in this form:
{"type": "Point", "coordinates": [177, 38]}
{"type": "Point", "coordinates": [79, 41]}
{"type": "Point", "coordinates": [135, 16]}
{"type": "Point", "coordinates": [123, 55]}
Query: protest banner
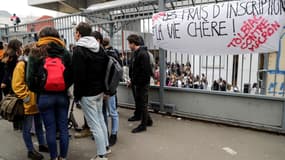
{"type": "Point", "coordinates": [233, 27]}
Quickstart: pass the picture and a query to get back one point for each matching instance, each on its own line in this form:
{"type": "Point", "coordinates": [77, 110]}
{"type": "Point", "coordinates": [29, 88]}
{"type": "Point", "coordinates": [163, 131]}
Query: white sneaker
{"type": "Point", "coordinates": [98, 158]}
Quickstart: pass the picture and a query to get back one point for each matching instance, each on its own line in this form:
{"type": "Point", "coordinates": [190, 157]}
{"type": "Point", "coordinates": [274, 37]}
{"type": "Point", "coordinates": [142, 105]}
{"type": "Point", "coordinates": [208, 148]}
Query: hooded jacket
{"type": "Point", "coordinates": [21, 89]}
{"type": "Point", "coordinates": [89, 63]}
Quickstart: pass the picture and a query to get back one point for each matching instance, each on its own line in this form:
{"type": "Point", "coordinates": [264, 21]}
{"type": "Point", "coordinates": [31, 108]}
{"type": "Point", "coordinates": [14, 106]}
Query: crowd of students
{"type": "Point", "coordinates": [46, 101]}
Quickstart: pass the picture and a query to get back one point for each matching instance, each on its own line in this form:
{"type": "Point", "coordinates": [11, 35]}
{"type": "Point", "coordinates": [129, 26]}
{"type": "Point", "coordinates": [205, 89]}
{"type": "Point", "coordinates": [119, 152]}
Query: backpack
{"type": "Point", "coordinates": [54, 69]}
{"type": "Point", "coordinates": [45, 74]}
{"type": "Point", "coordinates": [18, 20]}
{"type": "Point", "coordinates": [35, 74]}
{"type": "Point", "coordinates": [114, 74]}
{"type": "Point", "coordinates": [114, 53]}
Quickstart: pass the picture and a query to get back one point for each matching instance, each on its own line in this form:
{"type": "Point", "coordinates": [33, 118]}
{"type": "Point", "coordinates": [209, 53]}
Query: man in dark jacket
{"type": "Point", "coordinates": [89, 67]}
{"type": "Point", "coordinates": [140, 72]}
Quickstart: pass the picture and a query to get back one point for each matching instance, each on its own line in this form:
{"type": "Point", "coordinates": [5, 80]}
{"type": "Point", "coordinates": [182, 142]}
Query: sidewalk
{"type": "Point", "coordinates": [168, 139]}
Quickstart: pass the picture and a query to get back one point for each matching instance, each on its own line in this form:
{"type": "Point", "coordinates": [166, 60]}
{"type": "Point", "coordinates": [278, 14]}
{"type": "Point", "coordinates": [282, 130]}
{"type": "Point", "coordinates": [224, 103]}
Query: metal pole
{"type": "Point", "coordinates": [264, 75]}
{"type": "Point", "coordinates": [241, 79]}
{"type": "Point", "coordinates": [213, 71]}
{"type": "Point", "coordinates": [283, 85]}
{"type": "Point", "coordinates": [111, 34]}
{"type": "Point", "coordinates": [200, 67]}
{"type": "Point", "coordinates": [283, 116]}
{"type": "Point", "coordinates": [7, 32]}
{"type": "Point", "coordinates": [250, 68]}
{"type": "Point", "coordinates": [161, 4]}
{"type": "Point", "coordinates": [227, 72]}
{"type": "Point", "coordinates": [220, 65]}
{"type": "Point", "coordinates": [194, 66]}
{"type": "Point", "coordinates": [207, 66]}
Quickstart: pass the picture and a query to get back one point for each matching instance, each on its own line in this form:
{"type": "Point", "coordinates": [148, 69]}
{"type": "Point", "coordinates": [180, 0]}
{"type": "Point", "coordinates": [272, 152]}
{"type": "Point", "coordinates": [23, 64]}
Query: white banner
{"type": "Point", "coordinates": [235, 27]}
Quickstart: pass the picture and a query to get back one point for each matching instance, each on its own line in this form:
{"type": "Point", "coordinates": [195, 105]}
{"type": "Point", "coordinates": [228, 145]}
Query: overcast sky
{"type": "Point", "coordinates": [21, 8]}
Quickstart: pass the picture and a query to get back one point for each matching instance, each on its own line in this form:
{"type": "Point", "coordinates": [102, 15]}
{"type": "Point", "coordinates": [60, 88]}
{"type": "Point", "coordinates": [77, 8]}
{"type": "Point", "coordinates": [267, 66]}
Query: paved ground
{"type": "Point", "coordinates": [168, 139]}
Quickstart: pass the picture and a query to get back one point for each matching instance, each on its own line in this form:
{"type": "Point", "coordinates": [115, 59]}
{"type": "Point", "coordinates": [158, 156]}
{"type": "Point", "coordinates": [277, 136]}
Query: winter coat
{"type": "Point", "coordinates": [9, 67]}
{"type": "Point", "coordinates": [89, 63]}
{"type": "Point", "coordinates": [140, 68]}
{"type": "Point", "coordinates": [22, 91]}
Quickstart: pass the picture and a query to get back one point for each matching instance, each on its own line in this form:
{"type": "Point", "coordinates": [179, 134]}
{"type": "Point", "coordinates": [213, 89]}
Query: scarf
{"type": "Point", "coordinates": [47, 40]}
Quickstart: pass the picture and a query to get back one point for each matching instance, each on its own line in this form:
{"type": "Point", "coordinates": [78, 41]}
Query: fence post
{"type": "Point", "coordinates": [161, 65]}
{"type": "Point", "coordinates": [264, 75]}
{"type": "Point", "coordinates": [111, 34]}
{"type": "Point", "coordinates": [283, 117]}
{"type": "Point", "coordinates": [7, 32]}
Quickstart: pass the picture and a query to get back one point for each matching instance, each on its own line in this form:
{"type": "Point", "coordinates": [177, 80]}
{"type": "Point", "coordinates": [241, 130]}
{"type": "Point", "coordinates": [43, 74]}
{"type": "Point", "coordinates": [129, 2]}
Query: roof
{"type": "Point", "coordinates": [45, 17]}
{"type": "Point", "coordinates": [115, 4]}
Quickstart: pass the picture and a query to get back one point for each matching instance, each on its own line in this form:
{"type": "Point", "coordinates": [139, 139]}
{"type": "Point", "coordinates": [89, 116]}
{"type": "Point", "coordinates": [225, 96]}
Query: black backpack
{"type": "Point", "coordinates": [18, 20]}
{"type": "Point", "coordinates": [35, 75]}
{"type": "Point", "coordinates": [114, 73]}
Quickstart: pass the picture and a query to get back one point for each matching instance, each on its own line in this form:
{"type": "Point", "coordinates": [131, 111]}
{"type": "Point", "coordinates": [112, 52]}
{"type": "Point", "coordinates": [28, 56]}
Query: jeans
{"type": "Point", "coordinates": [92, 109]}
{"type": "Point", "coordinates": [54, 111]}
{"type": "Point", "coordinates": [114, 115]}
{"type": "Point", "coordinates": [141, 94]}
{"type": "Point", "coordinates": [105, 113]}
{"type": "Point", "coordinates": [27, 126]}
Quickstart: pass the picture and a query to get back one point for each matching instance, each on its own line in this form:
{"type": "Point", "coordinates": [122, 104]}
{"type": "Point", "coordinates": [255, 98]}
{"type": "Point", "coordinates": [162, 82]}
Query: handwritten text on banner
{"type": "Point", "coordinates": [235, 27]}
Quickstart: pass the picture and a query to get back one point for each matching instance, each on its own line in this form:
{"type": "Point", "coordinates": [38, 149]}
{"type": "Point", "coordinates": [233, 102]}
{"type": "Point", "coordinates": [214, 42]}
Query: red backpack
{"type": "Point", "coordinates": [54, 68]}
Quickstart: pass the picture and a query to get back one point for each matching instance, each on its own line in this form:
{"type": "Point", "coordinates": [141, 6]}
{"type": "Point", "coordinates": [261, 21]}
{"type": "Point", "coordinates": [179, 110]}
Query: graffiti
{"type": "Point", "coordinates": [254, 33]}
{"type": "Point", "coordinates": [279, 88]}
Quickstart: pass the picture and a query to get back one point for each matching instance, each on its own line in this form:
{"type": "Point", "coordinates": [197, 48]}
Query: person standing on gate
{"type": "Point", "coordinates": [16, 20]}
{"type": "Point", "coordinates": [140, 73]}
{"type": "Point", "coordinates": [112, 105]}
{"type": "Point", "coordinates": [89, 68]}
{"type": "Point", "coordinates": [49, 73]}
{"type": "Point", "coordinates": [31, 112]}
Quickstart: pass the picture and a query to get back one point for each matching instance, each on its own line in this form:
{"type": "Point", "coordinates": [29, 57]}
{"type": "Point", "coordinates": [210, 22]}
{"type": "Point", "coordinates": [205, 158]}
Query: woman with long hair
{"type": "Point", "coordinates": [31, 112]}
{"type": "Point", "coordinates": [53, 105]}
{"type": "Point", "coordinates": [10, 59]}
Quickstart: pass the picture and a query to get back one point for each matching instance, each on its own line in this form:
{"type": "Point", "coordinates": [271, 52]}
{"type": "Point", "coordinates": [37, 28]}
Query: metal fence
{"type": "Point", "coordinates": [248, 73]}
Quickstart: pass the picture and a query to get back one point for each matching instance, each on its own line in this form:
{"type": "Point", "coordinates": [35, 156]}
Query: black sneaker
{"type": "Point", "coordinates": [139, 129]}
{"type": "Point", "coordinates": [113, 139]}
{"type": "Point", "coordinates": [34, 155]}
{"type": "Point", "coordinates": [43, 148]}
{"type": "Point", "coordinates": [149, 123]}
{"type": "Point", "coordinates": [133, 118]}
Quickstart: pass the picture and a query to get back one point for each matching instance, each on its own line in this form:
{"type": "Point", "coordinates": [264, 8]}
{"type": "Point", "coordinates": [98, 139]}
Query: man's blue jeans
{"type": "Point", "coordinates": [54, 111]}
{"type": "Point", "coordinates": [27, 126]}
{"type": "Point", "coordinates": [92, 109]}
